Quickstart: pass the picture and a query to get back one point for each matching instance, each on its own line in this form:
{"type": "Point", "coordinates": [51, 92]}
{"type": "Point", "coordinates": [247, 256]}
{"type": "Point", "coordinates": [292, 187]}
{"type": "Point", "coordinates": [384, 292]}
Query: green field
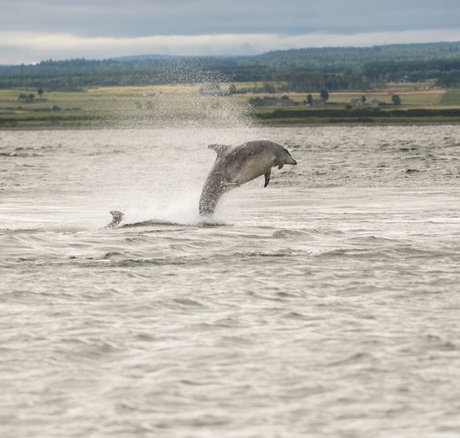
{"type": "Point", "coordinates": [184, 105]}
{"type": "Point", "coordinates": [451, 98]}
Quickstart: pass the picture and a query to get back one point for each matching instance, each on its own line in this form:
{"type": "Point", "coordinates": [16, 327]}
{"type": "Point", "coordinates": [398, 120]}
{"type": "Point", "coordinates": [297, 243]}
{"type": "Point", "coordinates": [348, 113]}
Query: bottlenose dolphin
{"type": "Point", "coordinates": [236, 165]}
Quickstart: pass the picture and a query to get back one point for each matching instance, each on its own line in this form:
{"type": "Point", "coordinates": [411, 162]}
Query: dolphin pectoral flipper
{"type": "Point", "coordinates": [267, 177]}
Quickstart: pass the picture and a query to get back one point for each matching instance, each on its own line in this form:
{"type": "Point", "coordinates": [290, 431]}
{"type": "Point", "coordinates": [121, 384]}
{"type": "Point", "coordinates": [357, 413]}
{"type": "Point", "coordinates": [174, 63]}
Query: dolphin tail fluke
{"type": "Point", "coordinates": [117, 216]}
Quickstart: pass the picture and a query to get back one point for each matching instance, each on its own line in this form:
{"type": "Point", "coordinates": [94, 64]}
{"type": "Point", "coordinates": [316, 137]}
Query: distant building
{"type": "Point", "coordinates": [357, 102]}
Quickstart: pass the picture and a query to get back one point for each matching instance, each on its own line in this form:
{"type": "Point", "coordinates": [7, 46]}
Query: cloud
{"type": "Point", "coordinates": [33, 30]}
{"type": "Point", "coordinates": [31, 47]}
{"type": "Point", "coordinates": [138, 18]}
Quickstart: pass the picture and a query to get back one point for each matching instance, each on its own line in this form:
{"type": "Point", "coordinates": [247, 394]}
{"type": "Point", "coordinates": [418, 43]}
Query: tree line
{"type": "Point", "coordinates": [301, 70]}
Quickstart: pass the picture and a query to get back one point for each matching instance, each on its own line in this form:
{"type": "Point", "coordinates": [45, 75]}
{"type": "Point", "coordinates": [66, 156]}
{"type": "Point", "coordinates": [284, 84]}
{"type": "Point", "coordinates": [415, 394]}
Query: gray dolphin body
{"type": "Point", "coordinates": [236, 165]}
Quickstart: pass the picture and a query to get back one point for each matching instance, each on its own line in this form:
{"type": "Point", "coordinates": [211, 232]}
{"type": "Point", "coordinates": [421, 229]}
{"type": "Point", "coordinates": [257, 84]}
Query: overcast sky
{"type": "Point", "coordinates": [36, 30]}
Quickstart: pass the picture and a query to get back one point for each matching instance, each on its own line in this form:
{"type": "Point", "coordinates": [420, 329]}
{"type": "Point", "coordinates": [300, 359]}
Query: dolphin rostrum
{"type": "Point", "coordinates": [236, 165]}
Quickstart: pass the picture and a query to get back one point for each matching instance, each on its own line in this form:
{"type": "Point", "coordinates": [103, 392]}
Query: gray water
{"type": "Point", "coordinates": [325, 305]}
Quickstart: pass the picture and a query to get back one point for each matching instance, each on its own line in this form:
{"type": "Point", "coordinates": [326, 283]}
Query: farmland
{"type": "Point", "coordinates": [184, 104]}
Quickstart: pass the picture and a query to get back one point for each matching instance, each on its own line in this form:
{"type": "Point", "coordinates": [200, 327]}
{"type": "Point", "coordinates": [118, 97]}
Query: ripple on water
{"type": "Point", "coordinates": [325, 304]}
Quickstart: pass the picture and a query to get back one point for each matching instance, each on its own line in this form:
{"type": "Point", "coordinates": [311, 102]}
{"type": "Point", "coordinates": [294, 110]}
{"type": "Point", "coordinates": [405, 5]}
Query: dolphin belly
{"type": "Point", "coordinates": [253, 168]}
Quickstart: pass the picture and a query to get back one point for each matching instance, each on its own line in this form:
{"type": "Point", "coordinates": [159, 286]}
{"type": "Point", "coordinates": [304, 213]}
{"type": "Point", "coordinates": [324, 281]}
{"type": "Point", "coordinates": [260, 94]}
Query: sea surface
{"type": "Point", "coordinates": [325, 305]}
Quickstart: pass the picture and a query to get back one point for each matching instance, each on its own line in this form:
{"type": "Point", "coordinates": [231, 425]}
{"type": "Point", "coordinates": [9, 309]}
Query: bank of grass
{"type": "Point", "coordinates": [360, 115]}
{"type": "Point", "coordinates": [158, 105]}
{"type": "Point", "coordinates": [358, 119]}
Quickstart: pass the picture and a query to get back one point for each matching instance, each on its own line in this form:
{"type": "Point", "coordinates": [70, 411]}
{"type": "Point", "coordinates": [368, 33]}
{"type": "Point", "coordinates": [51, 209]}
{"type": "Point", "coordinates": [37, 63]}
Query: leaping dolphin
{"type": "Point", "coordinates": [236, 165]}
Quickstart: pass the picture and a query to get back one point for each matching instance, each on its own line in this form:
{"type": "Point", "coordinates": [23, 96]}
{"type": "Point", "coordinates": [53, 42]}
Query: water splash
{"type": "Point", "coordinates": [180, 209]}
{"type": "Point", "coordinates": [186, 96]}
{"type": "Point", "coordinates": [198, 110]}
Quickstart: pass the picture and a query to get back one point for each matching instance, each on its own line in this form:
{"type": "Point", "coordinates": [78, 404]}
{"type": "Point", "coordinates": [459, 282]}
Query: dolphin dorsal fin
{"type": "Point", "coordinates": [219, 148]}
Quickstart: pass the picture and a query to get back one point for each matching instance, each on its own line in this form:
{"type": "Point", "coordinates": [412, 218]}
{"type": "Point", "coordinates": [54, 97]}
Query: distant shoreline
{"type": "Point", "coordinates": [260, 125]}
{"type": "Point", "coordinates": [186, 106]}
